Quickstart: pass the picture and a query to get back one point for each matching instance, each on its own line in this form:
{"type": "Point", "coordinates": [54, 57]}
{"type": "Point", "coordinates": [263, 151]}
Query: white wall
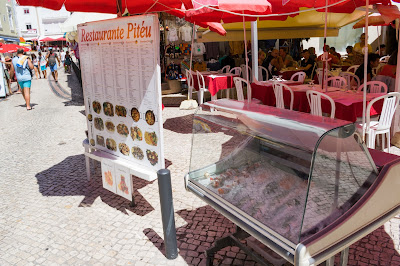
{"type": "Point", "coordinates": [49, 20]}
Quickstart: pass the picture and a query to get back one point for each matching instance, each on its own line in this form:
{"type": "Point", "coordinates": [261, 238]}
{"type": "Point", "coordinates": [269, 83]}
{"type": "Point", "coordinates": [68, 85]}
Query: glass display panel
{"type": "Point", "coordinates": [342, 173]}
{"type": "Point", "coordinates": [259, 161]}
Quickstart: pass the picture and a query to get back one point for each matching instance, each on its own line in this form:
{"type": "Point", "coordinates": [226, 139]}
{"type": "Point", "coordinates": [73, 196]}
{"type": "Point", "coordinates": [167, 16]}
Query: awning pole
{"type": "Point", "coordinates": [246, 60]}
{"type": "Point", "coordinates": [365, 68]}
{"type": "Point", "coordinates": [396, 122]}
{"type": "Point", "coordinates": [325, 53]}
{"type": "Point", "coordinates": [254, 49]}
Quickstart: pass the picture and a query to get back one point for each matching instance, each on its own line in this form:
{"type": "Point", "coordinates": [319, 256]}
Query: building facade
{"type": "Point", "coordinates": [8, 27]}
{"type": "Point", "coordinates": [38, 23]}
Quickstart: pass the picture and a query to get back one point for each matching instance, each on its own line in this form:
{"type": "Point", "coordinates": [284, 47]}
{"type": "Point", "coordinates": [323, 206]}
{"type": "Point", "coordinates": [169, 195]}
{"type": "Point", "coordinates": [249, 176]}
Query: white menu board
{"type": "Point", "coordinates": [122, 88]}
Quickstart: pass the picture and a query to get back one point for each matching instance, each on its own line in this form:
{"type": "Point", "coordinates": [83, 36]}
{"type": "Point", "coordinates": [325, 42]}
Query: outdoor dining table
{"type": "Point", "coordinates": [263, 90]}
{"type": "Point", "coordinates": [215, 81]}
{"type": "Point", "coordinates": [349, 104]}
{"type": "Point", "coordinates": [287, 74]}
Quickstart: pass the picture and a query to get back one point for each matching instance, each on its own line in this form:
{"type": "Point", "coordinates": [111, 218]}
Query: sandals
{"type": "Point", "coordinates": [29, 109]}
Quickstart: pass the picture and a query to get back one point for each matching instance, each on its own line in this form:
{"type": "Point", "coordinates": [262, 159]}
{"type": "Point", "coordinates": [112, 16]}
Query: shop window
{"type": "Point", "coordinates": [26, 10]}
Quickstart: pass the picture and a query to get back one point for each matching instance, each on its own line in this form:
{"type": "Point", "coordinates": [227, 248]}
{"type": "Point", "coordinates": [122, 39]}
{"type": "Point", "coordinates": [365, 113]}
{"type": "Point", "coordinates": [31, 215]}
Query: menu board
{"type": "Point", "coordinates": [121, 79]}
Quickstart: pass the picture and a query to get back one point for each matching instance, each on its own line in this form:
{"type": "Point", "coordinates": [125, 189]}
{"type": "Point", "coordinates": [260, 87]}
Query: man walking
{"type": "Point", "coordinates": [22, 64]}
{"type": "Point", "coordinates": [51, 57]}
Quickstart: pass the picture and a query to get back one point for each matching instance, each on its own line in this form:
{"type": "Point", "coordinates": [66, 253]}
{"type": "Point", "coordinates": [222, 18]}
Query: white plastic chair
{"type": "Point", "coordinates": [353, 69]}
{"type": "Point", "coordinates": [236, 71]}
{"type": "Point", "coordinates": [319, 74]}
{"type": "Point", "coordinates": [225, 69]}
{"type": "Point", "coordinates": [382, 126]}
{"type": "Point", "coordinates": [190, 83]}
{"type": "Point", "coordinates": [337, 82]}
{"type": "Point", "coordinates": [374, 87]}
{"type": "Point", "coordinates": [301, 76]}
{"type": "Point", "coordinates": [384, 59]}
{"type": "Point", "coordinates": [351, 78]}
{"type": "Point", "coordinates": [239, 82]}
{"type": "Point", "coordinates": [262, 69]}
{"type": "Point", "coordinates": [278, 90]}
{"type": "Point", "coordinates": [202, 88]}
{"type": "Point", "coordinates": [314, 100]}
{"type": "Point", "coordinates": [244, 73]}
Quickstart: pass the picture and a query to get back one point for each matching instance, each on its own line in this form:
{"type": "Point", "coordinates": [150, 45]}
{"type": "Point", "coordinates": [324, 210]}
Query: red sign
{"type": "Point", "coordinates": [284, 2]}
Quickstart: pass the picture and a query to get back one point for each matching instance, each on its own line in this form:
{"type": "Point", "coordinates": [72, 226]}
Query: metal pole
{"type": "Point", "coordinates": [167, 213]}
{"type": "Point", "coordinates": [365, 68]}
{"type": "Point", "coordinates": [254, 49]}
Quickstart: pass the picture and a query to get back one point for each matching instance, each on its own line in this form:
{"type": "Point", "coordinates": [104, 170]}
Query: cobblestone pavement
{"type": "Point", "coordinates": [51, 215]}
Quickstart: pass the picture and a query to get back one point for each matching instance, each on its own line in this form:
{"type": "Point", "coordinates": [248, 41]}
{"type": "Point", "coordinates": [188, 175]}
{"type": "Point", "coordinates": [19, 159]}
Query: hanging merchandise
{"type": "Point", "coordinates": [173, 72]}
{"type": "Point", "coordinates": [199, 66]}
{"type": "Point", "coordinates": [185, 32]}
{"type": "Point", "coordinates": [198, 49]}
{"type": "Point", "coordinates": [173, 51]}
{"type": "Point", "coordinates": [172, 34]}
{"type": "Point", "coordinates": [185, 48]}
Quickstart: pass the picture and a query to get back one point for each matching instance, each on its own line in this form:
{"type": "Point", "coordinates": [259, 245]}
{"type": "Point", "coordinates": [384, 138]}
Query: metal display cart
{"type": "Point", "coordinates": [304, 186]}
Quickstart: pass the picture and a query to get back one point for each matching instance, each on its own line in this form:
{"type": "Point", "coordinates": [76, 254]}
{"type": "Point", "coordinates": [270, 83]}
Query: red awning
{"type": "Point", "coordinates": [134, 7]}
{"type": "Point", "coordinates": [276, 7]}
{"type": "Point", "coordinates": [12, 48]}
{"type": "Point", "coordinates": [214, 10]}
{"type": "Point", "coordinates": [50, 39]}
{"type": "Point", "coordinates": [108, 6]}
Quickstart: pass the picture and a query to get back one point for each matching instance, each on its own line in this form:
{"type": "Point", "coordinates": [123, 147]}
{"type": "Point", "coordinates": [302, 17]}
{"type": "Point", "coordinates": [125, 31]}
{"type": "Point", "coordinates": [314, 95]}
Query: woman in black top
{"type": "Point", "coordinates": [373, 61]}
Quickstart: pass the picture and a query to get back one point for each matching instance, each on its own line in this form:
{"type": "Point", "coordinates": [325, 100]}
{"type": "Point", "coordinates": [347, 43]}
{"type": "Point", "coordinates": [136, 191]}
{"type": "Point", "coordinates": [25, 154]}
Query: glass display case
{"type": "Point", "coordinates": [285, 177]}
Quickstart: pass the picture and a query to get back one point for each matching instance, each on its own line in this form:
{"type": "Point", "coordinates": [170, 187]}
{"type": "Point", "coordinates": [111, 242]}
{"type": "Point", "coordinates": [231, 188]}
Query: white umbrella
{"type": "Point", "coordinates": [81, 17]}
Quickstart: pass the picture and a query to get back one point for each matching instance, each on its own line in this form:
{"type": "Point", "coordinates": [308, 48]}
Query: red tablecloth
{"type": "Point", "coordinates": [265, 92]}
{"type": "Point", "coordinates": [349, 105]}
{"type": "Point", "coordinates": [216, 82]}
{"type": "Point", "coordinates": [288, 74]}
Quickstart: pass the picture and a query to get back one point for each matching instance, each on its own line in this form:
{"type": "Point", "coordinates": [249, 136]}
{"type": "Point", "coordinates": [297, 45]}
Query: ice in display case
{"type": "Point", "coordinates": [305, 186]}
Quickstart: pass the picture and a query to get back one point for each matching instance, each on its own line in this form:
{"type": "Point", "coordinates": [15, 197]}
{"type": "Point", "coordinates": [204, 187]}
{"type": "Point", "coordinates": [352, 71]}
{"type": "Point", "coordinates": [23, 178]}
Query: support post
{"type": "Point", "coordinates": [254, 49]}
{"type": "Point", "coordinates": [167, 213]}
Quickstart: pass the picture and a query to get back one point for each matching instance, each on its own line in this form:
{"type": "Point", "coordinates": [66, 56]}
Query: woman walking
{"type": "Point", "coordinates": [22, 64]}
{"type": "Point", "coordinates": [35, 62]}
{"type": "Point", "coordinates": [43, 64]}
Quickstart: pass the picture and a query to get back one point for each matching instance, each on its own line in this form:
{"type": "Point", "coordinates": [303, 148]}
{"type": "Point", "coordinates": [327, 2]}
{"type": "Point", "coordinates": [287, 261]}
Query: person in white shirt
{"type": "Point", "coordinates": [62, 55]}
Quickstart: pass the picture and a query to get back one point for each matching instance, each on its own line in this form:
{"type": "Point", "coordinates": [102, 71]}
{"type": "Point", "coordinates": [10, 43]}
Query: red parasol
{"type": "Point", "coordinates": [12, 48]}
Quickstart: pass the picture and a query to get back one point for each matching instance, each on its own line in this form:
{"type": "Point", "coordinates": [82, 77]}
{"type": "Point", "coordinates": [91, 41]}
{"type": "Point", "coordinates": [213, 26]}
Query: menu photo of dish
{"type": "Point", "coordinates": [98, 123]}
{"type": "Point", "coordinates": [120, 111]}
{"type": "Point", "coordinates": [151, 138]}
{"type": "Point", "coordinates": [136, 133]}
{"type": "Point", "coordinates": [124, 182]}
{"type": "Point", "coordinates": [152, 157]}
{"type": "Point", "coordinates": [124, 149]}
{"type": "Point", "coordinates": [123, 130]}
{"type": "Point", "coordinates": [108, 175]}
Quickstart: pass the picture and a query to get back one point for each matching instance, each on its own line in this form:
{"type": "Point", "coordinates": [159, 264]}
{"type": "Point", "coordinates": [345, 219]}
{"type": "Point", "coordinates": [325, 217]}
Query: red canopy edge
{"type": "Point", "coordinates": [108, 6]}
{"type": "Point", "coordinates": [389, 13]}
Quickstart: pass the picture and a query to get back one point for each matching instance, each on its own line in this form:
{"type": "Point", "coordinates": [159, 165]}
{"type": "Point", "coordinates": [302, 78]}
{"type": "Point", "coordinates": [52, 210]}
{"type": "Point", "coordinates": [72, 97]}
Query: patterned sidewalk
{"type": "Point", "coordinates": [51, 215]}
